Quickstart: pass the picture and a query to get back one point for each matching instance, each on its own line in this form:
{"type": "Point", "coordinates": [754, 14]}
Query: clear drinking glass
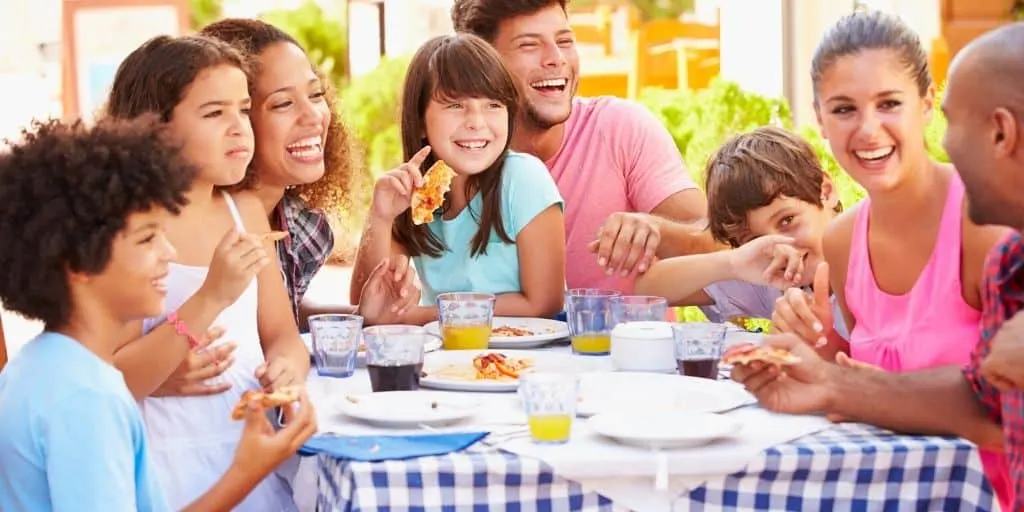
{"type": "Point", "coordinates": [698, 348]}
{"type": "Point", "coordinates": [638, 308]}
{"type": "Point", "coordinates": [589, 315]}
{"type": "Point", "coordinates": [550, 402]}
{"type": "Point", "coordinates": [465, 320]}
{"type": "Point", "coordinates": [335, 343]}
{"type": "Point", "coordinates": [394, 356]}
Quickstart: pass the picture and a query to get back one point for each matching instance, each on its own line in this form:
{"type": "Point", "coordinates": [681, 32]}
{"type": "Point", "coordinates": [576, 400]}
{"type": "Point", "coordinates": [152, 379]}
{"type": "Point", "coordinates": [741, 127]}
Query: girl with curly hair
{"type": "Point", "coordinates": [303, 169]}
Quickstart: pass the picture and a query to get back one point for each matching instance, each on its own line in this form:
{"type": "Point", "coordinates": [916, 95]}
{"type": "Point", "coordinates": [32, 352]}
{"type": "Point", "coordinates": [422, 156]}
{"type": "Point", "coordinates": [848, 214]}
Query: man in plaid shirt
{"type": "Point", "coordinates": [984, 401]}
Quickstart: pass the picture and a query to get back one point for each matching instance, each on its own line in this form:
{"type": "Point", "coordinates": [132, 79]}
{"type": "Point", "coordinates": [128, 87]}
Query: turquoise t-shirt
{"type": "Point", "coordinates": [71, 435]}
{"type": "Point", "coordinates": [527, 189]}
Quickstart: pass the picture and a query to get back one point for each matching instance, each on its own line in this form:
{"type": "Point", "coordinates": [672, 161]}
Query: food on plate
{"type": "Point", "coordinates": [509, 331]}
{"type": "Point", "coordinates": [273, 236]}
{"type": "Point", "coordinates": [751, 324]}
{"type": "Point", "coordinates": [277, 398]}
{"type": "Point", "coordinates": [489, 366]}
{"type": "Point", "coordinates": [425, 200]}
{"type": "Point", "coordinates": [745, 353]}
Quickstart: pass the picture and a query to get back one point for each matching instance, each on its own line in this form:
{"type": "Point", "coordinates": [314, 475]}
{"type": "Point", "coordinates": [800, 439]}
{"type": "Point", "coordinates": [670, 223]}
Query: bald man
{"type": "Point", "coordinates": [983, 400]}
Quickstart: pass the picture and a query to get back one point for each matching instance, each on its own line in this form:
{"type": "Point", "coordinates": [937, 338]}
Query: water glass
{"type": "Point", "coordinates": [394, 356]}
{"type": "Point", "coordinates": [465, 320]}
{"type": "Point", "coordinates": [638, 308]}
{"type": "Point", "coordinates": [550, 403]}
{"type": "Point", "coordinates": [335, 343]}
{"type": "Point", "coordinates": [698, 347]}
{"type": "Point", "coordinates": [589, 315]}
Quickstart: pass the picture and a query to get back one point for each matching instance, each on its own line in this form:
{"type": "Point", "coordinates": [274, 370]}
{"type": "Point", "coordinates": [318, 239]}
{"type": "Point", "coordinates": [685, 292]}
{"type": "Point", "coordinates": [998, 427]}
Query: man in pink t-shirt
{"type": "Point", "coordinates": [628, 197]}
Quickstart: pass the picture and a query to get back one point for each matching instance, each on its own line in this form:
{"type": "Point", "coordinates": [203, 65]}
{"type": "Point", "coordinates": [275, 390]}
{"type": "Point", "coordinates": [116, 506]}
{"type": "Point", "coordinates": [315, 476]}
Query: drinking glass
{"type": "Point", "coordinates": [465, 320]}
{"type": "Point", "coordinates": [550, 403]}
{"type": "Point", "coordinates": [638, 308]}
{"type": "Point", "coordinates": [394, 356]}
{"type": "Point", "coordinates": [335, 343]}
{"type": "Point", "coordinates": [698, 347]}
{"type": "Point", "coordinates": [589, 315]}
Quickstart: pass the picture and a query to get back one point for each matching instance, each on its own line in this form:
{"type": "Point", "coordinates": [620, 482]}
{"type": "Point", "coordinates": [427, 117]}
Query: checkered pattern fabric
{"type": "Point", "coordinates": [853, 467]}
{"type": "Point", "coordinates": [471, 480]}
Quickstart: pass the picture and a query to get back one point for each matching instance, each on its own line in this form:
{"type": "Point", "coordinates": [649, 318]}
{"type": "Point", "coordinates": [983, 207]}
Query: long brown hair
{"type": "Point", "coordinates": [448, 67]}
{"type": "Point", "coordinates": [332, 192]}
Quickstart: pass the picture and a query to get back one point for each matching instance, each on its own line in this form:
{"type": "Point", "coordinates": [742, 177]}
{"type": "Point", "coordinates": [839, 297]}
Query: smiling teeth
{"type": "Point", "coordinates": [558, 82]}
{"type": "Point", "coordinates": [480, 144]}
{"type": "Point", "coordinates": [875, 154]}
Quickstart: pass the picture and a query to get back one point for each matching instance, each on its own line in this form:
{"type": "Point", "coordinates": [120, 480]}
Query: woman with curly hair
{"type": "Point", "coordinates": [304, 162]}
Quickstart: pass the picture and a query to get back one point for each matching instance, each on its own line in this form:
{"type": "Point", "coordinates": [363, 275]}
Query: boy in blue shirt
{"type": "Point", "coordinates": [82, 214]}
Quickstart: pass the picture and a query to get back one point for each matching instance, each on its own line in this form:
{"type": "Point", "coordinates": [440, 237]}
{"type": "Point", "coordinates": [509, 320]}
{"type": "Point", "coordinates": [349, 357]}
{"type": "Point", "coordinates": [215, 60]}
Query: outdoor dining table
{"type": "Point", "coordinates": [803, 463]}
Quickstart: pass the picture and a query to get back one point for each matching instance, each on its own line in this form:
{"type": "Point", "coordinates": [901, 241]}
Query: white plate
{"type": "Point", "coordinates": [401, 409]}
{"type": "Point", "coordinates": [673, 429]}
{"type": "Point", "coordinates": [542, 361]}
{"type": "Point", "coordinates": [432, 345]}
{"type": "Point", "coordinates": [545, 331]}
{"type": "Point", "coordinates": [622, 392]}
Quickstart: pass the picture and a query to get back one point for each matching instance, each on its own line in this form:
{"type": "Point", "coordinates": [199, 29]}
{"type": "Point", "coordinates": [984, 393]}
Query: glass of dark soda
{"type": "Point", "coordinates": [394, 356]}
{"type": "Point", "coordinates": [698, 347]}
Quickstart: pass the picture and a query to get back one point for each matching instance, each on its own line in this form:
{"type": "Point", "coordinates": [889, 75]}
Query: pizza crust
{"type": "Point", "coordinates": [266, 400]}
{"type": "Point", "coordinates": [273, 236]}
{"type": "Point", "coordinates": [425, 200]}
{"type": "Point", "coordinates": [746, 353]}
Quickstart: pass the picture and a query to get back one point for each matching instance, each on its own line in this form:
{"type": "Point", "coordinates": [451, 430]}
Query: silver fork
{"type": "Point", "coordinates": [498, 438]}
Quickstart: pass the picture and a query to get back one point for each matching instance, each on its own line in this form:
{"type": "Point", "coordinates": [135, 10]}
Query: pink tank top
{"type": "Point", "coordinates": [927, 327]}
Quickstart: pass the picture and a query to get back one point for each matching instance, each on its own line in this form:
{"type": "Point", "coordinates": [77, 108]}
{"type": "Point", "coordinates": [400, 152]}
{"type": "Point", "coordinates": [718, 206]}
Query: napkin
{"type": "Point", "coordinates": [378, 448]}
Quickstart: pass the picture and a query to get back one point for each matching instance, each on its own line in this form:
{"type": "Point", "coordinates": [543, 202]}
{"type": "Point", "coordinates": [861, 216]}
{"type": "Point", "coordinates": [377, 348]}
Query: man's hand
{"type": "Point", "coordinates": [201, 364]}
{"type": "Point", "coordinates": [800, 388]}
{"type": "Point", "coordinates": [626, 243]}
{"type": "Point", "coordinates": [1004, 364]}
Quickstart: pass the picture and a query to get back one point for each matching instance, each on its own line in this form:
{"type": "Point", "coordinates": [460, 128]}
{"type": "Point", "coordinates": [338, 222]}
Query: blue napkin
{"type": "Point", "coordinates": [378, 448]}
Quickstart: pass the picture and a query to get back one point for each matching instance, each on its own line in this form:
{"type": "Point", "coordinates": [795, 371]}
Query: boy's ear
{"type": "Point", "coordinates": [829, 194]}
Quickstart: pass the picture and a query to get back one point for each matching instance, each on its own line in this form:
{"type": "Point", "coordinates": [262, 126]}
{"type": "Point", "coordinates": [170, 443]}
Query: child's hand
{"type": "Point", "coordinates": [261, 449]}
{"type": "Point", "coordinates": [236, 261]}
{"type": "Point", "coordinates": [769, 260]}
{"type": "Point", "coordinates": [389, 292]}
{"type": "Point", "coordinates": [808, 316]}
{"type": "Point", "coordinates": [392, 194]}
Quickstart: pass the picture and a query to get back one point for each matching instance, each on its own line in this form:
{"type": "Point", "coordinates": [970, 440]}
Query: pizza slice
{"type": "Point", "coordinates": [266, 400]}
{"type": "Point", "coordinates": [746, 353]}
{"type": "Point", "coordinates": [428, 198]}
{"type": "Point", "coordinates": [273, 236]}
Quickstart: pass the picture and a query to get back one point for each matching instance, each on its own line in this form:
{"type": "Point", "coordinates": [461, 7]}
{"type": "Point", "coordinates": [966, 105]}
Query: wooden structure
{"type": "Point", "coordinates": [964, 20]}
{"type": "Point", "coordinates": [74, 57]}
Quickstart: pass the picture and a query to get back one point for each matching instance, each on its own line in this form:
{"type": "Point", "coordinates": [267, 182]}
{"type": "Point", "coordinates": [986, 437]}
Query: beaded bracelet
{"type": "Point", "coordinates": [182, 329]}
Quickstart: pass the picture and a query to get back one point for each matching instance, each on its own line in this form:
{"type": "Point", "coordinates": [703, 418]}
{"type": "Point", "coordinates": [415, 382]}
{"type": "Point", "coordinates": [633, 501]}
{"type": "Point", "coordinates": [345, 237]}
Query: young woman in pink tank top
{"type": "Point", "coordinates": [905, 263]}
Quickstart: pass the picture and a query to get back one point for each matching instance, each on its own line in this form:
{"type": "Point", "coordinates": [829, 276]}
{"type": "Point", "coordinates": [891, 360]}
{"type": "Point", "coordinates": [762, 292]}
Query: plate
{"type": "Point", "coordinates": [621, 392]}
{"type": "Point", "coordinates": [544, 331]}
{"type": "Point", "coordinates": [542, 361]}
{"type": "Point", "coordinates": [673, 429]}
{"type": "Point", "coordinates": [430, 346]}
{"type": "Point", "coordinates": [401, 409]}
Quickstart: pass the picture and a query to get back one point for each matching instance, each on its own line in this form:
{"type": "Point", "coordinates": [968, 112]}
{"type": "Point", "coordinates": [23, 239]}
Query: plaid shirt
{"type": "Point", "coordinates": [1002, 297]}
{"type": "Point", "coordinates": [307, 247]}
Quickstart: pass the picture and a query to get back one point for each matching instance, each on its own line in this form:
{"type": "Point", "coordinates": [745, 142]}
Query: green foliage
{"type": "Point", "coordinates": [663, 9]}
{"type": "Point", "coordinates": [324, 37]}
{"type": "Point", "coordinates": [203, 12]}
{"type": "Point", "coordinates": [371, 105]}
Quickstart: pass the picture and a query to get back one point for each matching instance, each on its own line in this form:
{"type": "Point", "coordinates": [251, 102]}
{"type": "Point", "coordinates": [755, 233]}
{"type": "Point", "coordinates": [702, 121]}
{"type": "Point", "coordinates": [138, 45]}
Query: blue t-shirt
{"type": "Point", "coordinates": [71, 435]}
{"type": "Point", "coordinates": [527, 189]}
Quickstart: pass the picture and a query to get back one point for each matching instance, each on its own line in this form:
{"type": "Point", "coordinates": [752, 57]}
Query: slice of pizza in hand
{"type": "Point", "coordinates": [746, 353]}
{"type": "Point", "coordinates": [428, 198]}
{"type": "Point", "coordinates": [277, 398]}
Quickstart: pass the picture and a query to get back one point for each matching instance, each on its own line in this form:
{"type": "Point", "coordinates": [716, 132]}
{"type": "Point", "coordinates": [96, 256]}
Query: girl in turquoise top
{"type": "Point", "coordinates": [500, 229]}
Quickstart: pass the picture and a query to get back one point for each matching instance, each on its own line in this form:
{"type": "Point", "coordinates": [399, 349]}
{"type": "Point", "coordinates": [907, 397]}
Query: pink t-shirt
{"type": "Point", "coordinates": [615, 157]}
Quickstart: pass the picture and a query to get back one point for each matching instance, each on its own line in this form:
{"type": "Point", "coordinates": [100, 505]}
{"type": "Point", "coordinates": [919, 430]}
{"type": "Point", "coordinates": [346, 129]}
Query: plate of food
{"type": "Point", "coordinates": [433, 344]}
{"type": "Point", "coordinates": [488, 370]}
{"type": "Point", "coordinates": [403, 409]}
{"type": "Point", "coordinates": [619, 392]}
{"type": "Point", "coordinates": [518, 333]}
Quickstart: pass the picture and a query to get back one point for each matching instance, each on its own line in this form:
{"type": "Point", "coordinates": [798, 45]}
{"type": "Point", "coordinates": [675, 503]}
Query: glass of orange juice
{"type": "Point", "coordinates": [550, 403]}
{"type": "Point", "coordinates": [588, 312]}
{"type": "Point", "coordinates": [465, 320]}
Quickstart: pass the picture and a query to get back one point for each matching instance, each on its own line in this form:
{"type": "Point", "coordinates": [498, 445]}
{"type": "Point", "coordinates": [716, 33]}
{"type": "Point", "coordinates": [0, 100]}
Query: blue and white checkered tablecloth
{"type": "Point", "coordinates": [848, 467]}
{"type": "Point", "coordinates": [479, 478]}
{"type": "Point", "coordinates": [854, 467]}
